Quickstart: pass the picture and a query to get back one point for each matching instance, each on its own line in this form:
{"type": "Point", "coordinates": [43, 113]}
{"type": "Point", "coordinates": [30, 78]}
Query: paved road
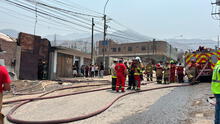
{"type": "Point", "coordinates": [186, 105]}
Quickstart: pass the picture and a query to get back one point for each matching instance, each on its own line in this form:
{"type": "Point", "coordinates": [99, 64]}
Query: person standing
{"type": "Point", "coordinates": [5, 86]}
{"type": "Point", "coordinates": [149, 71]}
{"type": "Point", "coordinates": [86, 71]}
{"type": "Point", "coordinates": [172, 71]}
{"type": "Point", "coordinates": [180, 74]}
{"type": "Point", "coordinates": [121, 72]}
{"type": "Point", "coordinates": [192, 71]}
{"type": "Point", "coordinates": [92, 71]}
{"type": "Point", "coordinates": [131, 82]}
{"type": "Point", "coordinates": [74, 70]}
{"type": "Point", "coordinates": [114, 75]}
{"type": "Point", "coordinates": [166, 73]}
{"type": "Point", "coordinates": [137, 74]}
{"type": "Point", "coordinates": [96, 70]}
{"type": "Point", "coordinates": [215, 88]}
{"type": "Point", "coordinates": [101, 70]}
{"type": "Point", "coordinates": [159, 73]}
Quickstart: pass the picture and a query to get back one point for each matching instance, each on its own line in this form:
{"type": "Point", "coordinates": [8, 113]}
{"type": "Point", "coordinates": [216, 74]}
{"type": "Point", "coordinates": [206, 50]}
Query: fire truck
{"type": "Point", "coordinates": [206, 60]}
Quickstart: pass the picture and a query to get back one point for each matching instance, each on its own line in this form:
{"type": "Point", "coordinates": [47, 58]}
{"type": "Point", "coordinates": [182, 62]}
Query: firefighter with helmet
{"type": "Point", "coordinates": [166, 72]}
{"type": "Point", "coordinates": [159, 73]}
{"type": "Point", "coordinates": [172, 71]}
{"type": "Point", "coordinates": [137, 73]}
{"type": "Point", "coordinates": [149, 71]}
{"type": "Point", "coordinates": [121, 72]}
{"type": "Point", "coordinates": [192, 71]}
{"type": "Point", "coordinates": [114, 75]}
{"type": "Point", "coordinates": [131, 82]}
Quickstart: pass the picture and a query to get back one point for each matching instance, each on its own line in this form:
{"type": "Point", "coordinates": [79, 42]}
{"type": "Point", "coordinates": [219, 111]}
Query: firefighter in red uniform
{"type": "Point", "coordinates": [180, 73]}
{"type": "Point", "coordinates": [121, 72]}
{"type": "Point", "coordinates": [172, 71]}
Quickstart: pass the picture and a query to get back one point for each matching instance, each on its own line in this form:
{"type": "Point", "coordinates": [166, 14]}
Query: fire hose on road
{"type": "Point", "coordinates": [67, 120]}
{"type": "Point", "coordinates": [13, 120]}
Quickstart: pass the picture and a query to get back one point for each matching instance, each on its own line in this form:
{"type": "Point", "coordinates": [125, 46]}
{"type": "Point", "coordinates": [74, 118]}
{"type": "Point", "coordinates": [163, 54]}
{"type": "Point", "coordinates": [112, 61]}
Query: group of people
{"type": "Point", "coordinates": [92, 70]}
{"type": "Point", "coordinates": [169, 72]}
{"type": "Point", "coordinates": [120, 70]}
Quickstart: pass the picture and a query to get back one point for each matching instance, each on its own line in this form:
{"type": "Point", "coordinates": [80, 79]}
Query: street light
{"type": "Point", "coordinates": [104, 35]}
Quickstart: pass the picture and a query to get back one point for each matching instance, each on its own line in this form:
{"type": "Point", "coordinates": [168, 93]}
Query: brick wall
{"type": "Point", "coordinates": [10, 48]}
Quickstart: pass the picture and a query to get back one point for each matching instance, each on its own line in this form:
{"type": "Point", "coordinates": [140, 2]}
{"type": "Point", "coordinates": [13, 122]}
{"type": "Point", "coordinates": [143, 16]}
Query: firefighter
{"type": "Point", "coordinates": [114, 76]}
{"type": "Point", "coordinates": [192, 71]}
{"type": "Point", "coordinates": [166, 73]}
{"type": "Point", "coordinates": [137, 73]}
{"type": "Point", "coordinates": [215, 88]}
{"type": "Point", "coordinates": [172, 71]}
{"type": "Point", "coordinates": [121, 73]}
{"type": "Point", "coordinates": [180, 74]}
{"type": "Point", "coordinates": [149, 71]}
{"type": "Point", "coordinates": [131, 82]}
{"type": "Point", "coordinates": [159, 73]}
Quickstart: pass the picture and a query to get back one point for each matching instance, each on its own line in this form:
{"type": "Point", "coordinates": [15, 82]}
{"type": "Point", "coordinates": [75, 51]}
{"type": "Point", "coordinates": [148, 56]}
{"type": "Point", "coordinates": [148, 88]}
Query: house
{"type": "Point", "coordinates": [62, 59]}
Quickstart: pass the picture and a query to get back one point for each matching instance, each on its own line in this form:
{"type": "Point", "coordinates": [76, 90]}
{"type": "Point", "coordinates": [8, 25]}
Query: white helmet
{"type": "Point", "coordinates": [138, 58]}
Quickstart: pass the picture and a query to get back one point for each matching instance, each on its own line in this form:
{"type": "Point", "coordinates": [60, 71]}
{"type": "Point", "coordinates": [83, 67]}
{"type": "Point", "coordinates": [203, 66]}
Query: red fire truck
{"type": "Point", "coordinates": [206, 60]}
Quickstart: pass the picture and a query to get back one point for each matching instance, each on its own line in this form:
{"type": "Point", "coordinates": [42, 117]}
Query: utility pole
{"type": "Point", "coordinates": [104, 40]}
{"type": "Point", "coordinates": [218, 41]}
{"type": "Point", "coordinates": [55, 39]}
{"type": "Point", "coordinates": [92, 46]}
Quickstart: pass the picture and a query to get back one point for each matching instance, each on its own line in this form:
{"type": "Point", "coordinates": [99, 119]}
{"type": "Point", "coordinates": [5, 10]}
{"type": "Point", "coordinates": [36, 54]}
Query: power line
{"type": "Point", "coordinates": [44, 13]}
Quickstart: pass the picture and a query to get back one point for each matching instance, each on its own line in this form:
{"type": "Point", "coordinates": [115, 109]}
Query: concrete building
{"type": "Point", "coordinates": [151, 50]}
{"type": "Point", "coordinates": [62, 59]}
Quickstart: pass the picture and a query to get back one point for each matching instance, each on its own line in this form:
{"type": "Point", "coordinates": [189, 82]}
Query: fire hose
{"type": "Point", "coordinates": [13, 120]}
{"type": "Point", "coordinates": [44, 87]}
{"type": "Point", "coordinates": [41, 97]}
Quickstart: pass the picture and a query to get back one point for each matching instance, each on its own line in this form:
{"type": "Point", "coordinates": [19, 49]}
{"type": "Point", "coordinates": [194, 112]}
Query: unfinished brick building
{"type": "Point", "coordinates": [34, 53]}
{"type": "Point", "coordinates": [9, 46]}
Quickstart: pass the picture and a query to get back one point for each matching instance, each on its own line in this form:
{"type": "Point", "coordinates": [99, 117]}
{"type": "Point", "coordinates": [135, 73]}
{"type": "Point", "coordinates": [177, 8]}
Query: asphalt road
{"type": "Point", "coordinates": [185, 105]}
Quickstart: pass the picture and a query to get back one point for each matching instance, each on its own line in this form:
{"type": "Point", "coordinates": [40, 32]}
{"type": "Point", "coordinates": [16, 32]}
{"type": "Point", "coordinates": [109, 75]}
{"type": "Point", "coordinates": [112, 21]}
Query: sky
{"type": "Point", "coordinates": [161, 19]}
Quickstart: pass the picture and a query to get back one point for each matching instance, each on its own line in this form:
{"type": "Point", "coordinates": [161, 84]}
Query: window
{"type": "Point", "coordinates": [119, 49]}
{"type": "Point", "coordinates": [143, 48]}
{"type": "Point", "coordinates": [114, 49]}
{"type": "Point", "coordinates": [129, 48]}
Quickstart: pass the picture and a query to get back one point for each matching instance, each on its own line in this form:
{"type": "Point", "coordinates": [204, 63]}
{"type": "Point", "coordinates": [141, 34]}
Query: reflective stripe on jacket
{"type": "Point", "coordinates": [215, 86]}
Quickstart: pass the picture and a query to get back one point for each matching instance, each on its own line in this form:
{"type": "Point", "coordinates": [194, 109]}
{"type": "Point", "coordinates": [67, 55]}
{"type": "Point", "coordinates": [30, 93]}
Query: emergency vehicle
{"type": "Point", "coordinates": [205, 60]}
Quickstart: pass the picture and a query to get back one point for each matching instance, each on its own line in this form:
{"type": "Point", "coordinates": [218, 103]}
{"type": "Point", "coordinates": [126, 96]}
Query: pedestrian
{"type": "Point", "coordinates": [92, 70]}
{"type": "Point", "coordinates": [82, 69]}
{"type": "Point", "coordinates": [159, 73]}
{"type": "Point", "coordinates": [172, 71]}
{"type": "Point", "coordinates": [5, 86]}
{"type": "Point", "coordinates": [149, 71]}
{"type": "Point", "coordinates": [101, 70]}
{"type": "Point", "coordinates": [121, 72]}
{"type": "Point", "coordinates": [96, 70]}
{"type": "Point", "coordinates": [180, 74]}
{"type": "Point", "coordinates": [114, 75]}
{"type": "Point", "coordinates": [74, 70]}
{"type": "Point", "coordinates": [131, 81]}
{"type": "Point", "coordinates": [215, 88]}
{"type": "Point", "coordinates": [86, 71]}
